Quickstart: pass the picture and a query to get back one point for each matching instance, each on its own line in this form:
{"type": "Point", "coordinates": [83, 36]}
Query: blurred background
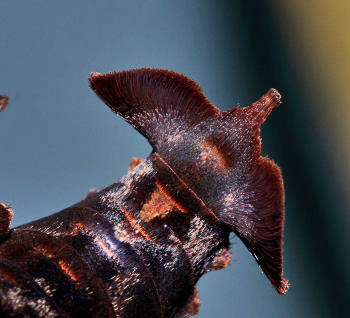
{"type": "Point", "coordinates": [57, 140]}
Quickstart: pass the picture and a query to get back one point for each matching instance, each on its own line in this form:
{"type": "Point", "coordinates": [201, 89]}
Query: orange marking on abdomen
{"type": "Point", "coordinates": [104, 247]}
{"type": "Point", "coordinates": [77, 228]}
{"type": "Point", "coordinates": [44, 251]}
{"type": "Point", "coordinates": [65, 268]}
{"type": "Point", "coordinates": [80, 227]}
{"type": "Point", "coordinates": [170, 198]}
{"type": "Point", "coordinates": [158, 205]}
{"type": "Point", "coordinates": [136, 225]}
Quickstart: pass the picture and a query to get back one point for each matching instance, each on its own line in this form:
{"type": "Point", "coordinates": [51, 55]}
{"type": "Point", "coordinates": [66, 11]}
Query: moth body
{"type": "Point", "coordinates": [138, 247]}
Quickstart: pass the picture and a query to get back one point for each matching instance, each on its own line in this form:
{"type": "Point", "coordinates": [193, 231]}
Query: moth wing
{"type": "Point", "coordinates": [258, 219]}
{"type": "Point", "coordinates": [158, 103]}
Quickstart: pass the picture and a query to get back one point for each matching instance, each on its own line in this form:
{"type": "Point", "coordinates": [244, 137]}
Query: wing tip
{"type": "Point", "coordinates": [275, 274]}
{"type": "Point", "coordinates": [283, 286]}
{"type": "Point", "coordinates": [264, 235]}
{"type": "Point", "coordinates": [258, 111]}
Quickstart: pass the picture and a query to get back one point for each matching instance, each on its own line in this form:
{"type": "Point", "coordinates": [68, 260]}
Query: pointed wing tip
{"type": "Point", "coordinates": [94, 75]}
{"type": "Point", "coordinates": [283, 286]}
{"type": "Point", "coordinates": [268, 102]}
{"type": "Point", "coordinates": [261, 109]}
{"type": "Point", "coordinates": [263, 236]}
{"type": "Point", "coordinates": [275, 96]}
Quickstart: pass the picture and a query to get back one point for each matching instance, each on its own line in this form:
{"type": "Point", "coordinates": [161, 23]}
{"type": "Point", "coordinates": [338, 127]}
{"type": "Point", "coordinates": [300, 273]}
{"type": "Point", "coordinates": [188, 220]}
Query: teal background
{"type": "Point", "coordinates": [57, 140]}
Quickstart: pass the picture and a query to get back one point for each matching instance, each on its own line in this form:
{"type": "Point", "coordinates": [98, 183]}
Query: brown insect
{"type": "Point", "coordinates": [138, 247]}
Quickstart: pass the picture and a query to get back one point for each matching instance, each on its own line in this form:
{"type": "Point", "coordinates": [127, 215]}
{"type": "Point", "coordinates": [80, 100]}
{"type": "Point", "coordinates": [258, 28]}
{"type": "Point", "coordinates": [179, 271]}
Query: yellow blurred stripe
{"type": "Point", "coordinates": [317, 35]}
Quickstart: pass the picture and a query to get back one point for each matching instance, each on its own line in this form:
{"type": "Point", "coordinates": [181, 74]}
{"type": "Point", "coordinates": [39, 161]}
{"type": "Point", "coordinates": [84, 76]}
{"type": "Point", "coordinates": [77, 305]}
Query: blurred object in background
{"type": "Point", "coordinates": [316, 38]}
{"type": "Point", "coordinates": [303, 49]}
{"type": "Point", "coordinates": [59, 140]}
{"type": "Point", "coordinates": [4, 101]}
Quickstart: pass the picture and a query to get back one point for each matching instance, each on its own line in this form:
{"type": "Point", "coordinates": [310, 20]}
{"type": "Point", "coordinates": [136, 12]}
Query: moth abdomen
{"type": "Point", "coordinates": [20, 295]}
{"type": "Point", "coordinates": [59, 271]}
{"type": "Point", "coordinates": [114, 262]}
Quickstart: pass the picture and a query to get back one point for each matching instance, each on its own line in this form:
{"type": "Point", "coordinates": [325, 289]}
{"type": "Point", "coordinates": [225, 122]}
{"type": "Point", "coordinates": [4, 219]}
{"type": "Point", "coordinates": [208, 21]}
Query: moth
{"type": "Point", "coordinates": [138, 247]}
